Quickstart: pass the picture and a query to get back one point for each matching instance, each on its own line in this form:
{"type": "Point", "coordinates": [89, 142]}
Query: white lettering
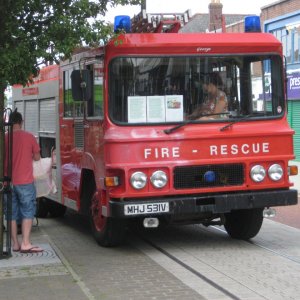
{"type": "Point", "coordinates": [200, 49]}
{"type": "Point", "coordinates": [256, 148]}
{"type": "Point", "coordinates": [213, 150]}
{"type": "Point", "coordinates": [265, 148]}
{"type": "Point", "coordinates": [224, 150]}
{"type": "Point", "coordinates": [164, 152]}
{"type": "Point", "coordinates": [175, 152]}
{"type": "Point", "coordinates": [294, 82]}
{"type": "Point", "coordinates": [245, 148]}
{"type": "Point", "coordinates": [234, 149]}
{"type": "Point", "coordinates": [158, 153]}
{"type": "Point", "coordinates": [147, 152]}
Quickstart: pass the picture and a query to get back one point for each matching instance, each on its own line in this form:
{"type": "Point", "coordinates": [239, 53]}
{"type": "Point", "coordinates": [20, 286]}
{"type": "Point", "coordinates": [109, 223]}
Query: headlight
{"type": "Point", "coordinates": [275, 172]}
{"type": "Point", "coordinates": [258, 173]}
{"type": "Point", "coordinates": [159, 179]}
{"type": "Point", "coordinates": [138, 180]}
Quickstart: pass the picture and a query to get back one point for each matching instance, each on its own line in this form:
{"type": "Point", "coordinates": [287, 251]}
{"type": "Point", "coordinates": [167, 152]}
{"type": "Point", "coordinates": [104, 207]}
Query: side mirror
{"type": "Point", "coordinates": [81, 85]}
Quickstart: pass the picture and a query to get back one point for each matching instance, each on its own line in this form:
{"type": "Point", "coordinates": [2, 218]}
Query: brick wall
{"type": "Point", "coordinates": [236, 27]}
{"type": "Point", "coordinates": [215, 15]}
{"type": "Point", "coordinates": [275, 9]}
{"type": "Point", "coordinates": [279, 8]}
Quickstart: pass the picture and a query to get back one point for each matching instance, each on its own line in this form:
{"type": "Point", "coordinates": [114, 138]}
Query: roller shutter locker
{"type": "Point", "coordinates": [31, 117]}
{"type": "Point", "coordinates": [47, 115]}
{"type": "Point", "coordinates": [20, 106]}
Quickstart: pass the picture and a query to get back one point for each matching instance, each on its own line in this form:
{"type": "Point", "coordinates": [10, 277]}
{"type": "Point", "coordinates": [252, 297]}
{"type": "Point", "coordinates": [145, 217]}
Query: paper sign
{"type": "Point", "coordinates": [136, 109]}
{"type": "Point", "coordinates": [174, 108]}
{"type": "Point", "coordinates": [156, 109]}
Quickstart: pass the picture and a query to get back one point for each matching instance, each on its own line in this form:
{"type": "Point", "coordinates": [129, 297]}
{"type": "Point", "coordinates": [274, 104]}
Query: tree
{"type": "Point", "coordinates": [34, 32]}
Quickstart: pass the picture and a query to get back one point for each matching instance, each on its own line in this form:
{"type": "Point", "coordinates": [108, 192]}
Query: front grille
{"type": "Point", "coordinates": [208, 176]}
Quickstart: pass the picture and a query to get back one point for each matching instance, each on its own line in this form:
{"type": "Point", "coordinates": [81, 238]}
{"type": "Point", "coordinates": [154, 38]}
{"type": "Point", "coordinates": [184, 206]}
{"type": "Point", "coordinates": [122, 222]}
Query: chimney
{"type": "Point", "coordinates": [215, 15]}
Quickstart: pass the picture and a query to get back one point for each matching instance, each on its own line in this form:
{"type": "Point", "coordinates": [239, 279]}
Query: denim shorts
{"type": "Point", "coordinates": [23, 201]}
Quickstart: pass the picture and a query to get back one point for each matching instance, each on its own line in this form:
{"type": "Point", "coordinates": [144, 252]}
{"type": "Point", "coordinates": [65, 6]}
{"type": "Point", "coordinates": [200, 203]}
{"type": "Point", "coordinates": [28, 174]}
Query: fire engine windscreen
{"type": "Point", "coordinates": [147, 90]}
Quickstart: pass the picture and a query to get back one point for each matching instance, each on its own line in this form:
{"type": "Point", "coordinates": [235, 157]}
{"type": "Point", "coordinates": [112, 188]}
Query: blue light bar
{"type": "Point", "coordinates": [122, 23]}
{"type": "Point", "coordinates": [252, 24]}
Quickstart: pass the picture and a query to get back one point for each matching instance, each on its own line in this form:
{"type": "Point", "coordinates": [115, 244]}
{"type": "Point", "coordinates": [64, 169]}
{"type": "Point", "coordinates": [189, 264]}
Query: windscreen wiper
{"type": "Point", "coordinates": [235, 121]}
{"type": "Point", "coordinates": [172, 129]}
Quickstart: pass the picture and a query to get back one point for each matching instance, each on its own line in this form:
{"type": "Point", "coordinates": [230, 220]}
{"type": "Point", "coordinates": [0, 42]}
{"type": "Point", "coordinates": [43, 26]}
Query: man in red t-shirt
{"type": "Point", "coordinates": [25, 150]}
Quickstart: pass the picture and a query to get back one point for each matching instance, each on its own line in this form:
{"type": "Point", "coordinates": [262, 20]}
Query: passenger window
{"type": "Point", "coordinates": [71, 108]}
{"type": "Point", "coordinates": [95, 106]}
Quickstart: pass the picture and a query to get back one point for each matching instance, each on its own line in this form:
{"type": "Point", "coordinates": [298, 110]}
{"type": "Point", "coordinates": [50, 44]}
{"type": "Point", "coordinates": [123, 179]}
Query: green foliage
{"type": "Point", "coordinates": [37, 31]}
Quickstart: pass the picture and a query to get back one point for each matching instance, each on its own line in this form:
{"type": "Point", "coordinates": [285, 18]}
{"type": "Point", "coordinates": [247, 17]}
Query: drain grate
{"type": "Point", "coordinates": [48, 256]}
{"type": "Point", "coordinates": [45, 263]}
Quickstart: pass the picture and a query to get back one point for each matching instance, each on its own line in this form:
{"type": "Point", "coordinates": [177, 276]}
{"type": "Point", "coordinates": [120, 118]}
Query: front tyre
{"type": "Point", "coordinates": [107, 231]}
{"type": "Point", "coordinates": [244, 224]}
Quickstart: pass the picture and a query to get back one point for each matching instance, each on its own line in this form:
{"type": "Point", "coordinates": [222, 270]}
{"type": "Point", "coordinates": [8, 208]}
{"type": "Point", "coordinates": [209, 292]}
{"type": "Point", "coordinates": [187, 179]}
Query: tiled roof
{"type": "Point", "coordinates": [200, 22]}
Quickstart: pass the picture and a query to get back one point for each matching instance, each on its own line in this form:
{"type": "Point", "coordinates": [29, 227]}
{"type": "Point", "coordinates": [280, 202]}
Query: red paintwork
{"type": "Point", "coordinates": [45, 74]}
{"type": "Point", "coordinates": [112, 150]}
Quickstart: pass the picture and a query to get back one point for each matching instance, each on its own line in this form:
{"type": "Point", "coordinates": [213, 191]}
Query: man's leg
{"type": "Point", "coordinates": [14, 236]}
{"type": "Point", "coordinates": [15, 210]}
{"type": "Point", "coordinates": [26, 231]}
{"type": "Point", "coordinates": [27, 210]}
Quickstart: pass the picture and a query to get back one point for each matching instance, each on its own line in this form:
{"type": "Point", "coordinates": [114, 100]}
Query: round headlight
{"type": "Point", "coordinates": [159, 179]}
{"type": "Point", "coordinates": [138, 180]}
{"type": "Point", "coordinates": [258, 173]}
{"type": "Point", "coordinates": [275, 172]}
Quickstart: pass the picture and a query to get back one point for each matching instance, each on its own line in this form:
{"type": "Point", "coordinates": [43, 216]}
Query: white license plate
{"type": "Point", "coordinates": [147, 208]}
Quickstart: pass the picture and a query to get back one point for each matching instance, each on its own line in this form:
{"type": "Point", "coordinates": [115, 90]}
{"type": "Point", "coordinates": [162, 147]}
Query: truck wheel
{"type": "Point", "coordinates": [42, 207]}
{"type": "Point", "coordinates": [244, 224]}
{"type": "Point", "coordinates": [108, 232]}
{"type": "Point", "coordinates": [56, 210]}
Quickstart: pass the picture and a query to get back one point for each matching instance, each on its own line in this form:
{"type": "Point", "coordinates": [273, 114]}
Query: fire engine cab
{"type": "Point", "coordinates": [138, 136]}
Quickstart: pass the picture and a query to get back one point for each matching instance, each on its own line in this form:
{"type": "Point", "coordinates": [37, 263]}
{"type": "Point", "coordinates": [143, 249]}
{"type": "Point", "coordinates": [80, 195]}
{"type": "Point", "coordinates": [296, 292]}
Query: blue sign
{"type": "Point", "coordinates": [293, 86]}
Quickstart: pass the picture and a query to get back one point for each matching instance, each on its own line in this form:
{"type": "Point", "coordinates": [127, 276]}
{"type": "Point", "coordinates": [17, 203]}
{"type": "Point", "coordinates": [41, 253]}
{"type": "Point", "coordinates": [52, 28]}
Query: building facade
{"type": "Point", "coordinates": [282, 18]}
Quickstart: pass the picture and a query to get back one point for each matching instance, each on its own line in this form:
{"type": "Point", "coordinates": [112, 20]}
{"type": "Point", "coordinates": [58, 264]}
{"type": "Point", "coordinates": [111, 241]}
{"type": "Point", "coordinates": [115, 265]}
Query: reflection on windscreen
{"type": "Point", "coordinates": [147, 90]}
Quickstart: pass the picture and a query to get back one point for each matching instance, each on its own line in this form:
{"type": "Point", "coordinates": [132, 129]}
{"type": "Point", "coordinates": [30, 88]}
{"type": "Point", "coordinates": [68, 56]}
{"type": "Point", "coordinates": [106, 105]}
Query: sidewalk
{"type": "Point", "coordinates": [39, 275]}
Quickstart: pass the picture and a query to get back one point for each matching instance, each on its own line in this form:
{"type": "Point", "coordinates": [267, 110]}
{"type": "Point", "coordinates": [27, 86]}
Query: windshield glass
{"type": "Point", "coordinates": [147, 90]}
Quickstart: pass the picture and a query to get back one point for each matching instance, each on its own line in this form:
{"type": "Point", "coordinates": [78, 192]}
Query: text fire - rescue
{"type": "Point", "coordinates": [214, 150]}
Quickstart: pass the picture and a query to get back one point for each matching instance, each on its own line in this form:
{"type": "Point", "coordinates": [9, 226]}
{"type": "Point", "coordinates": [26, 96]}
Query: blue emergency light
{"type": "Point", "coordinates": [252, 24]}
{"type": "Point", "coordinates": [122, 23]}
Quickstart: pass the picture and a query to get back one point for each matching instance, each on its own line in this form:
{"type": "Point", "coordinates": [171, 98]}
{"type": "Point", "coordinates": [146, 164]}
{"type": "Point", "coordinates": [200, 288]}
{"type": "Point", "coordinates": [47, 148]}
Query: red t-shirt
{"type": "Point", "coordinates": [24, 146]}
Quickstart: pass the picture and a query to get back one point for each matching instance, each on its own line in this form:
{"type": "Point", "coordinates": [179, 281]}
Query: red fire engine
{"type": "Point", "coordinates": [132, 141]}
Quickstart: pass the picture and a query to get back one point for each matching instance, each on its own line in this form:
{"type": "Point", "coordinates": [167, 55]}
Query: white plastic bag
{"type": "Point", "coordinates": [42, 174]}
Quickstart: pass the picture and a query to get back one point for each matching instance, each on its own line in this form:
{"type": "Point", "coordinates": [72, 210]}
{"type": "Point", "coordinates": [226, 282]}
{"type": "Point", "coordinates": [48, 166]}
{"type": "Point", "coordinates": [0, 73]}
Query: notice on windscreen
{"type": "Point", "coordinates": [155, 109]}
{"type": "Point", "coordinates": [137, 109]}
{"type": "Point", "coordinates": [174, 108]}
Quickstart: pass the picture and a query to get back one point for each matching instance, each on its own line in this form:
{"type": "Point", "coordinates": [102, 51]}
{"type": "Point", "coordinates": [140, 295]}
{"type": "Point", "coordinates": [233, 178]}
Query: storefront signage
{"type": "Point", "coordinates": [293, 86]}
